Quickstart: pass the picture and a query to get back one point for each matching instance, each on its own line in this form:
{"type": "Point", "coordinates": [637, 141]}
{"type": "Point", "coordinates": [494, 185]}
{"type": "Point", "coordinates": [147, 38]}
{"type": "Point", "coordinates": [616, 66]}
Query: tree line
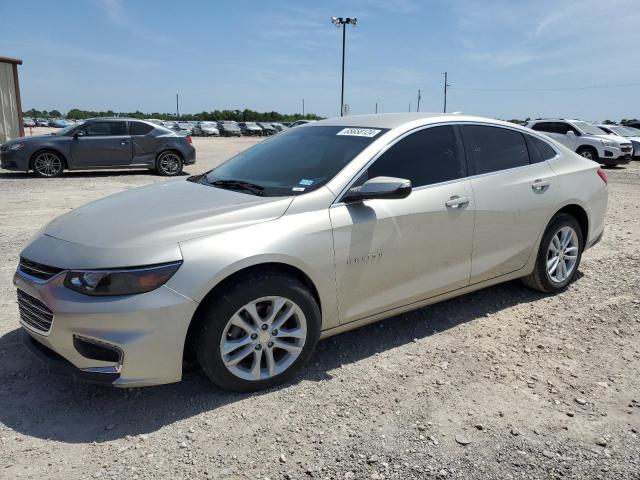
{"type": "Point", "coordinates": [245, 115]}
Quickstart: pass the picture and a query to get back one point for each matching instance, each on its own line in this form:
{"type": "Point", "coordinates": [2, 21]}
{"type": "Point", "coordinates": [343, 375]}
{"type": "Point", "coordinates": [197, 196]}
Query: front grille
{"type": "Point", "coordinates": [38, 270]}
{"type": "Point", "coordinates": [34, 313]}
{"type": "Point", "coordinates": [626, 148]}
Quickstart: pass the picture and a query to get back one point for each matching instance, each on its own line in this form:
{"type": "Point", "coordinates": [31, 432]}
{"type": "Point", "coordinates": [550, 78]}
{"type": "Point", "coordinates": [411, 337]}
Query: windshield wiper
{"type": "Point", "coordinates": [239, 185]}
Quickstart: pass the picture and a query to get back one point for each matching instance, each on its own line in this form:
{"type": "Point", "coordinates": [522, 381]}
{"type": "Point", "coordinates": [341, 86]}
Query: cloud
{"type": "Point", "coordinates": [123, 18]}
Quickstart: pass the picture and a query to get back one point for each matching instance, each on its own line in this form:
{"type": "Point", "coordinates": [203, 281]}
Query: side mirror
{"type": "Point", "coordinates": [78, 134]}
{"type": "Point", "coordinates": [571, 134]}
{"type": "Point", "coordinates": [379, 187]}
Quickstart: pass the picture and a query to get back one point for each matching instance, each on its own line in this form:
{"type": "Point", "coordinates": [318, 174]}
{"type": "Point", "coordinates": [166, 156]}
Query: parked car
{"type": "Point", "coordinates": [245, 265]}
{"type": "Point", "coordinates": [206, 129]}
{"type": "Point", "coordinates": [630, 133]}
{"type": "Point", "coordinates": [278, 126]}
{"type": "Point", "coordinates": [100, 143]}
{"type": "Point", "coordinates": [267, 128]}
{"type": "Point", "coordinates": [28, 122]}
{"type": "Point", "coordinates": [250, 128]}
{"type": "Point", "coordinates": [183, 127]}
{"type": "Point", "coordinates": [586, 139]}
{"type": "Point", "coordinates": [41, 122]}
{"type": "Point", "coordinates": [300, 122]}
{"type": "Point", "coordinates": [229, 129]}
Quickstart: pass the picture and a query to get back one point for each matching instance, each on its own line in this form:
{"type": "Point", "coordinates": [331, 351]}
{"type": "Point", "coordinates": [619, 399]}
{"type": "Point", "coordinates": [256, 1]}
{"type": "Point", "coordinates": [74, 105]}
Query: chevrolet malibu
{"type": "Point", "coordinates": [320, 229]}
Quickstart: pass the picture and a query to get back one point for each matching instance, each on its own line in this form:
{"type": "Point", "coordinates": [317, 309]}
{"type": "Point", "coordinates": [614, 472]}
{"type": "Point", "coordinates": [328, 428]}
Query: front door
{"type": "Point", "coordinates": [394, 252]}
{"type": "Point", "coordinates": [102, 144]}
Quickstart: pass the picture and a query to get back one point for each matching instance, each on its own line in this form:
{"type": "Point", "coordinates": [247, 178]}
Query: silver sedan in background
{"type": "Point", "coordinates": [317, 230]}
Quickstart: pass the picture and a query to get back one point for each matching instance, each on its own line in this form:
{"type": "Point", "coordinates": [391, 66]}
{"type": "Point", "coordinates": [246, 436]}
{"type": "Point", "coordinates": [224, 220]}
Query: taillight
{"type": "Point", "coordinates": [189, 139]}
{"type": "Point", "coordinates": [603, 175]}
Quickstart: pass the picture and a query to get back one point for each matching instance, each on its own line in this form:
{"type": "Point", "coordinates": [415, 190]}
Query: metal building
{"type": "Point", "coordinates": [11, 125]}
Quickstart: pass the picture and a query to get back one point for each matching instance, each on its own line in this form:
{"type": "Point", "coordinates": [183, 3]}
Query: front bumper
{"type": "Point", "coordinates": [14, 160]}
{"type": "Point", "coordinates": [148, 329]}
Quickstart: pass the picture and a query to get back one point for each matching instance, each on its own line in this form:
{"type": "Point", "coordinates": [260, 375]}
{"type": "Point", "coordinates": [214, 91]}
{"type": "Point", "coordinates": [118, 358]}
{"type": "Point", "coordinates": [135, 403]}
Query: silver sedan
{"type": "Point", "coordinates": [320, 229]}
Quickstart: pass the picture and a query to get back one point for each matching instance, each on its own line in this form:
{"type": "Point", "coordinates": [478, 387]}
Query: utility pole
{"type": "Point", "coordinates": [177, 106]}
{"type": "Point", "coordinates": [409, 106]}
{"type": "Point", "coordinates": [303, 107]}
{"type": "Point", "coordinates": [342, 22]}
{"type": "Point", "coordinates": [376, 107]}
{"type": "Point", "coordinates": [445, 92]}
{"type": "Point", "coordinates": [419, 97]}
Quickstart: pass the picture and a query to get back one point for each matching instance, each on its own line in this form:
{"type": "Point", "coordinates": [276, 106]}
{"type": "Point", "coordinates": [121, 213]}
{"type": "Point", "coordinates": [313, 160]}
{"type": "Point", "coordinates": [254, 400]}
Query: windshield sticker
{"type": "Point", "coordinates": [298, 189]}
{"type": "Point", "coordinates": [305, 182]}
{"type": "Point", "coordinates": [359, 132]}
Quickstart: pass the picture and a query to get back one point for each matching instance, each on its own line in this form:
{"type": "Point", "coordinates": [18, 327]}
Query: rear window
{"type": "Point", "coordinates": [539, 150]}
{"type": "Point", "coordinates": [495, 148]}
{"type": "Point", "coordinates": [139, 128]}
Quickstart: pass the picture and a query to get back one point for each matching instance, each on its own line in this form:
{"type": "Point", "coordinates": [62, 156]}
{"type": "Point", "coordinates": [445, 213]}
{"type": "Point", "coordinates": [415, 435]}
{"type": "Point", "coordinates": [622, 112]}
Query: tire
{"type": "Point", "coordinates": [215, 332]}
{"type": "Point", "coordinates": [588, 153]}
{"type": "Point", "coordinates": [544, 277]}
{"type": "Point", "coordinates": [169, 164]}
{"type": "Point", "coordinates": [47, 164]}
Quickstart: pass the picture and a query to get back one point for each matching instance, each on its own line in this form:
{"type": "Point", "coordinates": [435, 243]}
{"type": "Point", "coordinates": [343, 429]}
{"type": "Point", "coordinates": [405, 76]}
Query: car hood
{"type": "Point", "coordinates": [163, 214]}
{"type": "Point", "coordinates": [614, 139]}
{"type": "Point", "coordinates": [33, 138]}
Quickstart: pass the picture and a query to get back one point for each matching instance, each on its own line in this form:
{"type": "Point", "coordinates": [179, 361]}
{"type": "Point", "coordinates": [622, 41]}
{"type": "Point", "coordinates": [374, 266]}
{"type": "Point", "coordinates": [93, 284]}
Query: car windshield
{"type": "Point", "coordinates": [208, 124]}
{"type": "Point", "coordinates": [296, 161]}
{"type": "Point", "coordinates": [65, 130]}
{"type": "Point", "coordinates": [589, 129]}
{"type": "Point", "coordinates": [634, 131]}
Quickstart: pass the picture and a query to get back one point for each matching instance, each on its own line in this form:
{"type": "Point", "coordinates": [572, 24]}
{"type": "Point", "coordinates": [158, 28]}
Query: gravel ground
{"type": "Point", "coordinates": [501, 383]}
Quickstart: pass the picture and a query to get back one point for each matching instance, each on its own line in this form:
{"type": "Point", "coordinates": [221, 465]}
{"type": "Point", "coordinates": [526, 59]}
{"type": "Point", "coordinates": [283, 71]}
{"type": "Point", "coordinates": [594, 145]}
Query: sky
{"type": "Point", "coordinates": [504, 58]}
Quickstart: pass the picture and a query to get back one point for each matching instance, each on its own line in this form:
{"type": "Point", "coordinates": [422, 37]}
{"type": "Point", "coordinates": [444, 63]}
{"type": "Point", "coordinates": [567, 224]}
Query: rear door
{"type": "Point", "coordinates": [102, 144]}
{"type": "Point", "coordinates": [515, 193]}
{"type": "Point", "coordinates": [395, 252]}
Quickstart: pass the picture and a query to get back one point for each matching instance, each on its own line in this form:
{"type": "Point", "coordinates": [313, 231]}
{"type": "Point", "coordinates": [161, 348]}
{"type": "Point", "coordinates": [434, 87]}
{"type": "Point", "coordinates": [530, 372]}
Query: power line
{"type": "Point", "coordinates": [555, 89]}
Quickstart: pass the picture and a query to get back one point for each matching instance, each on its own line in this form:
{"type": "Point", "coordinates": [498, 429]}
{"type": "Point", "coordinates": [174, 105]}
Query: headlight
{"type": "Point", "coordinates": [15, 146]}
{"type": "Point", "coordinates": [120, 281]}
{"type": "Point", "coordinates": [608, 144]}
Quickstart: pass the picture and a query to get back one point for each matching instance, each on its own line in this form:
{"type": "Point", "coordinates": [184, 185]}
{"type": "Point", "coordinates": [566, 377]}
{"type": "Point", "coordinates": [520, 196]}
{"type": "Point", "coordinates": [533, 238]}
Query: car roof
{"type": "Point", "coordinates": [395, 120]}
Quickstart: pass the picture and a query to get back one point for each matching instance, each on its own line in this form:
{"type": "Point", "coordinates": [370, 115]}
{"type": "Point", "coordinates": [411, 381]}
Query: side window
{"type": "Point", "coordinates": [139, 128]}
{"type": "Point", "coordinates": [544, 127]}
{"type": "Point", "coordinates": [429, 156]}
{"type": "Point", "coordinates": [495, 148]}
{"type": "Point", "coordinates": [105, 129]}
{"type": "Point", "coordinates": [539, 150]}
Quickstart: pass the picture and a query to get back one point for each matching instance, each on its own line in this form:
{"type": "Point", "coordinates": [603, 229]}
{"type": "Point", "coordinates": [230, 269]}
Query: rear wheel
{"type": "Point", "coordinates": [257, 333]}
{"type": "Point", "coordinates": [169, 164]}
{"type": "Point", "coordinates": [558, 256]}
{"type": "Point", "coordinates": [47, 164]}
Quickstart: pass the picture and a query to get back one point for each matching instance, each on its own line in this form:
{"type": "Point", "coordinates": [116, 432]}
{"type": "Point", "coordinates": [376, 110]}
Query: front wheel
{"type": "Point", "coordinates": [169, 164]}
{"type": "Point", "coordinates": [48, 164]}
{"type": "Point", "coordinates": [257, 333]}
{"type": "Point", "coordinates": [558, 256]}
{"type": "Point", "coordinates": [588, 153]}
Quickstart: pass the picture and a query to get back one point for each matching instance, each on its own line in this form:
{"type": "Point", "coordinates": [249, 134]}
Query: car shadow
{"type": "Point", "coordinates": [36, 404]}
{"type": "Point", "coordinates": [89, 174]}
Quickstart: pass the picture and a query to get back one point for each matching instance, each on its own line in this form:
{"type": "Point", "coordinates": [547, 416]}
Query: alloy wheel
{"type": "Point", "coordinates": [47, 164]}
{"type": "Point", "coordinates": [263, 338]}
{"type": "Point", "coordinates": [170, 164]}
{"type": "Point", "coordinates": [562, 254]}
{"type": "Point", "coordinates": [587, 154]}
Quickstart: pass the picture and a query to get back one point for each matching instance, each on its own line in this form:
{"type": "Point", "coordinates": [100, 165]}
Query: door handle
{"type": "Point", "coordinates": [456, 202]}
{"type": "Point", "coordinates": [124, 142]}
{"type": "Point", "coordinates": [540, 185]}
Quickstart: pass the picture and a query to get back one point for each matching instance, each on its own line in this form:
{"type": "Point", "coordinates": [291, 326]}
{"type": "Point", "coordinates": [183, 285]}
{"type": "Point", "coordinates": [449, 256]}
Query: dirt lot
{"type": "Point", "coordinates": [502, 383]}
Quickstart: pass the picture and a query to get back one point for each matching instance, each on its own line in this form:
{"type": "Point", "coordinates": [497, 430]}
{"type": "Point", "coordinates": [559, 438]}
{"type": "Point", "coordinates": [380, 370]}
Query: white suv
{"type": "Point", "coordinates": [586, 140]}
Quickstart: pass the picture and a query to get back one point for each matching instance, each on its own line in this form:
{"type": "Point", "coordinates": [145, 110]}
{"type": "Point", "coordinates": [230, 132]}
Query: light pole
{"type": "Point", "coordinates": [342, 22]}
{"type": "Point", "coordinates": [445, 92]}
{"type": "Point", "coordinates": [177, 106]}
{"type": "Point", "coordinates": [303, 108]}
